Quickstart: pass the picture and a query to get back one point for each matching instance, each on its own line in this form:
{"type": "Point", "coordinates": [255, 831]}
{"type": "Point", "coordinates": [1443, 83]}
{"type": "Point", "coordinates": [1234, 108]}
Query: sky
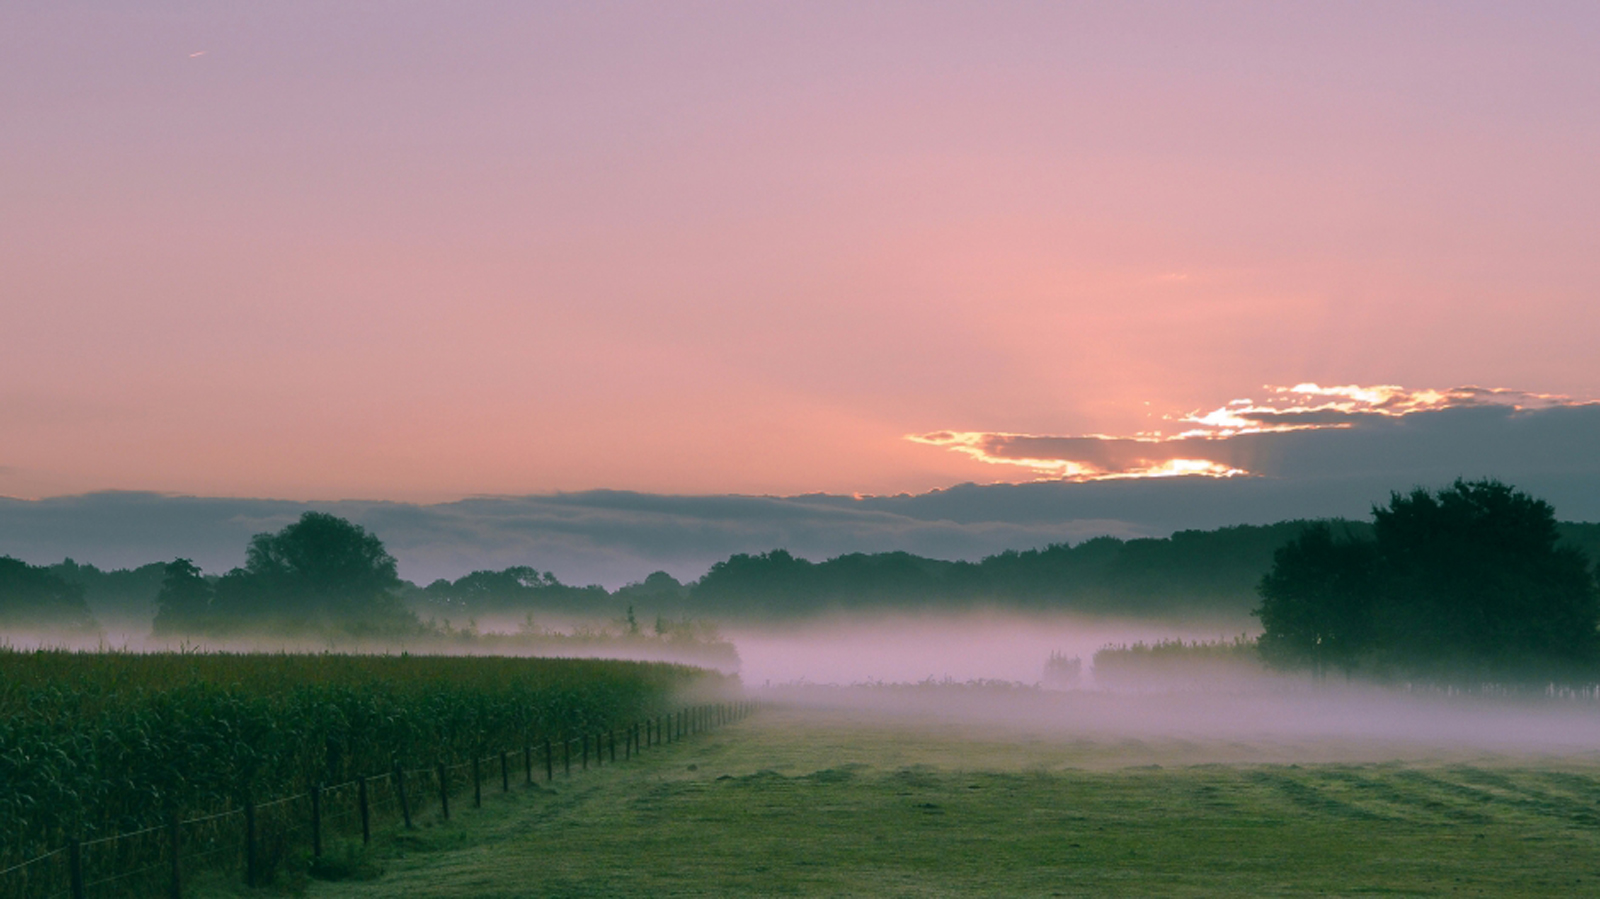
{"type": "Point", "coordinates": [417, 253]}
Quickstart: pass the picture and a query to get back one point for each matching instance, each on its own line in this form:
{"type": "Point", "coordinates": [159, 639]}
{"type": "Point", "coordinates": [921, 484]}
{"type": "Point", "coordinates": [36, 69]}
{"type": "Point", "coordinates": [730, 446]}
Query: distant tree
{"type": "Point", "coordinates": [1471, 580]}
{"type": "Point", "coordinates": [123, 593]}
{"type": "Point", "coordinates": [317, 571]}
{"type": "Point", "coordinates": [519, 589]}
{"type": "Point", "coordinates": [184, 603]}
{"type": "Point", "coordinates": [35, 596]}
{"type": "Point", "coordinates": [658, 589]}
{"type": "Point", "coordinates": [509, 589]}
{"type": "Point", "coordinates": [1316, 602]}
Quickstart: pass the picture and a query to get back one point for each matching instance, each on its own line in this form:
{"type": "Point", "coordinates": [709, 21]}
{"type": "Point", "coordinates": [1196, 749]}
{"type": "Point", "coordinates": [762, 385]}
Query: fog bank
{"type": "Point", "coordinates": [908, 648]}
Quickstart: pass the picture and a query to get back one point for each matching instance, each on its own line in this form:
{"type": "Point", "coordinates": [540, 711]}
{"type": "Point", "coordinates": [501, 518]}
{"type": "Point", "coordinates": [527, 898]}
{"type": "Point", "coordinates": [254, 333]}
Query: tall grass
{"type": "Point", "coordinates": [99, 743]}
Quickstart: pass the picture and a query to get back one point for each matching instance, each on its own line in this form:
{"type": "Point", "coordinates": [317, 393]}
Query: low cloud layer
{"type": "Point", "coordinates": [1359, 450]}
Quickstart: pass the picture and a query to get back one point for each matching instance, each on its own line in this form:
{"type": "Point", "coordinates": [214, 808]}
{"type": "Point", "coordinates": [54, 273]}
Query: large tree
{"type": "Point", "coordinates": [1467, 581]}
{"type": "Point", "coordinates": [184, 603]}
{"type": "Point", "coordinates": [319, 570]}
{"type": "Point", "coordinates": [1316, 602]}
{"type": "Point", "coordinates": [1474, 577]}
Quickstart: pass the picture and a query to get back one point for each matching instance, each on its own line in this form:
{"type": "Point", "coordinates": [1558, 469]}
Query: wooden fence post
{"type": "Point", "coordinates": [75, 867]}
{"type": "Point", "coordinates": [585, 752]}
{"type": "Point", "coordinates": [505, 775]}
{"type": "Point", "coordinates": [444, 791]}
{"type": "Point", "coordinates": [175, 844]}
{"type": "Point", "coordinates": [613, 746]}
{"type": "Point", "coordinates": [316, 820]}
{"type": "Point", "coordinates": [527, 763]}
{"type": "Point", "coordinates": [566, 755]}
{"type": "Point", "coordinates": [366, 816]}
{"type": "Point", "coordinates": [549, 762]}
{"type": "Point", "coordinates": [400, 788]}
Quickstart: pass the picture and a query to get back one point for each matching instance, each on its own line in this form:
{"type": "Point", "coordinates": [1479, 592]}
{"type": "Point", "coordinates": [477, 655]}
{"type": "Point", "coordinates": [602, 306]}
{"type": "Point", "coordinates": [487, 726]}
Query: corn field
{"type": "Point", "coordinates": [95, 744]}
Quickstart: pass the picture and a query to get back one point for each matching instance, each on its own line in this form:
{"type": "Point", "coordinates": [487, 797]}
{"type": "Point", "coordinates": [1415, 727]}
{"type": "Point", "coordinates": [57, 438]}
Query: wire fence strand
{"type": "Point", "coordinates": [141, 862]}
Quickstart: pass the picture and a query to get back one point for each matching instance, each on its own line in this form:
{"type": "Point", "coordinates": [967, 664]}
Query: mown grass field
{"type": "Point", "coordinates": [802, 803]}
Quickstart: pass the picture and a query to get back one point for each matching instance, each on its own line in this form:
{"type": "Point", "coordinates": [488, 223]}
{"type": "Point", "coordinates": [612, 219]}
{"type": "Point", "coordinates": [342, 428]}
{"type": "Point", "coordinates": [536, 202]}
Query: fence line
{"type": "Point", "coordinates": [254, 840]}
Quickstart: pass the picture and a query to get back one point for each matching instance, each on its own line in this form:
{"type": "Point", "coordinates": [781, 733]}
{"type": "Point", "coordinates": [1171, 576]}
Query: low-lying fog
{"type": "Point", "coordinates": [1321, 723]}
{"type": "Point", "coordinates": [981, 673]}
{"type": "Point", "coordinates": [834, 650]}
{"type": "Point", "coordinates": [910, 648]}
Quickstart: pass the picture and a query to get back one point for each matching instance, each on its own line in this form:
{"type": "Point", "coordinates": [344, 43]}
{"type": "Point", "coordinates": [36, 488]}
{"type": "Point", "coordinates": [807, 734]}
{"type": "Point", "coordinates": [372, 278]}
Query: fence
{"type": "Point", "coordinates": [254, 840]}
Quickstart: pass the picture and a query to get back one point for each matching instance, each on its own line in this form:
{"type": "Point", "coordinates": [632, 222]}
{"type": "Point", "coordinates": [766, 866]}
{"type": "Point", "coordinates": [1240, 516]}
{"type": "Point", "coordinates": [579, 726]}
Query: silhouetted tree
{"type": "Point", "coordinates": [320, 570]}
{"type": "Point", "coordinates": [125, 593]}
{"type": "Point", "coordinates": [1316, 602]}
{"type": "Point", "coordinates": [32, 595]}
{"type": "Point", "coordinates": [519, 589]}
{"type": "Point", "coordinates": [1469, 581]}
{"type": "Point", "coordinates": [184, 603]}
{"type": "Point", "coordinates": [1475, 577]}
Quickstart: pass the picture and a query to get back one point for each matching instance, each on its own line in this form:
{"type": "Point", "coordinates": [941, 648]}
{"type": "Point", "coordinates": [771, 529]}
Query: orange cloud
{"type": "Point", "coordinates": [1208, 446]}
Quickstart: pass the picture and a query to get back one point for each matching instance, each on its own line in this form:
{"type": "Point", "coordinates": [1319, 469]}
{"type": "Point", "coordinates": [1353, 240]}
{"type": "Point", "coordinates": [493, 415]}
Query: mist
{"type": "Point", "coordinates": [1329, 723]}
{"type": "Point", "coordinates": [978, 678]}
{"type": "Point", "coordinates": [908, 648]}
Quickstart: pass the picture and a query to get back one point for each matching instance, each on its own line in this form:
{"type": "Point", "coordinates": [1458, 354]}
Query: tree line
{"type": "Point", "coordinates": [324, 569]}
{"type": "Point", "coordinates": [1334, 597]}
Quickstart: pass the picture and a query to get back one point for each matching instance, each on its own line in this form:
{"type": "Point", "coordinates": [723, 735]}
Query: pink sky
{"type": "Point", "coordinates": [420, 251]}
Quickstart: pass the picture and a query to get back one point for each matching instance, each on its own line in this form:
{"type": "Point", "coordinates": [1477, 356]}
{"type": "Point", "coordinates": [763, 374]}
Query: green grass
{"type": "Point", "coordinates": [792, 803]}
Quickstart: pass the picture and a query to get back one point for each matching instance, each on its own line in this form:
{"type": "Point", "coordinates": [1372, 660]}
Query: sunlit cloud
{"type": "Point", "coordinates": [1211, 443]}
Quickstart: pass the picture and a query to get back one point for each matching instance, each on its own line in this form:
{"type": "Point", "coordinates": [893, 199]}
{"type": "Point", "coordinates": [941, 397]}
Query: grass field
{"type": "Point", "coordinates": [806, 802]}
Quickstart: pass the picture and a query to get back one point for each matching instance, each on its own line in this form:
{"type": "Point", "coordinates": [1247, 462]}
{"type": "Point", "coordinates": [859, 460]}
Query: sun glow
{"type": "Point", "coordinates": [1172, 468]}
{"type": "Point", "coordinates": [1303, 407]}
{"type": "Point", "coordinates": [980, 446]}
